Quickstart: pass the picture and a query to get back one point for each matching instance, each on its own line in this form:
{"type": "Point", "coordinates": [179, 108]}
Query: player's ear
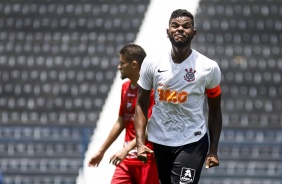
{"type": "Point", "coordinates": [167, 33]}
{"type": "Point", "coordinates": [195, 32]}
{"type": "Point", "coordinates": [134, 64]}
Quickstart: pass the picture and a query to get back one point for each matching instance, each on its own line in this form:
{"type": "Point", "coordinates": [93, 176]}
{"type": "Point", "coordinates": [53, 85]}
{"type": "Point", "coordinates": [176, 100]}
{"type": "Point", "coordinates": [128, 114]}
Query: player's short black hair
{"type": "Point", "coordinates": [181, 13]}
{"type": "Point", "coordinates": [132, 52]}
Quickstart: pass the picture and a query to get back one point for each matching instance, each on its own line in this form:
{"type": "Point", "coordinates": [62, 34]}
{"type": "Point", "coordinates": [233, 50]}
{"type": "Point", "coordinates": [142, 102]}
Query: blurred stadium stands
{"type": "Point", "coordinates": [58, 60]}
{"type": "Point", "coordinates": [244, 37]}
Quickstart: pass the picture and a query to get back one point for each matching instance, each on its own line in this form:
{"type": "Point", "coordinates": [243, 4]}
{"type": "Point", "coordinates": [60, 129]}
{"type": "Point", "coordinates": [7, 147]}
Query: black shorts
{"type": "Point", "coordinates": [183, 164]}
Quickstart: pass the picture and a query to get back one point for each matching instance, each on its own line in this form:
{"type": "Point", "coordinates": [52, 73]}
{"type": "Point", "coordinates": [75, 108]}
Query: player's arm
{"type": "Point", "coordinates": [121, 154]}
{"type": "Point", "coordinates": [140, 122]}
{"type": "Point", "coordinates": [114, 133]}
{"type": "Point", "coordinates": [215, 125]}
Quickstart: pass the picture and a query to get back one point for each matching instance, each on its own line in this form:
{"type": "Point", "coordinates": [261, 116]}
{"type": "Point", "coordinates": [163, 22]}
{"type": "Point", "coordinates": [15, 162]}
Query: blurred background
{"type": "Point", "coordinates": [59, 85]}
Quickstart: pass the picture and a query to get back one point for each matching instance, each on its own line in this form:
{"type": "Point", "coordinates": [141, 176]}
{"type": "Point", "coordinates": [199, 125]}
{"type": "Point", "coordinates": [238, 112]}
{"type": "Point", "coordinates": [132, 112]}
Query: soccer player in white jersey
{"type": "Point", "coordinates": [181, 79]}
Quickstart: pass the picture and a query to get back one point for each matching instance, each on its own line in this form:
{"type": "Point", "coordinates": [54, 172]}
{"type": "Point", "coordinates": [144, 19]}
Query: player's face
{"type": "Point", "coordinates": [181, 31]}
{"type": "Point", "coordinates": [124, 68]}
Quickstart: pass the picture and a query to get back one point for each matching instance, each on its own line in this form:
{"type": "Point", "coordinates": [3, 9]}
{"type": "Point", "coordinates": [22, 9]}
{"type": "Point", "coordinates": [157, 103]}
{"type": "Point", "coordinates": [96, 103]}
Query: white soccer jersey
{"type": "Point", "coordinates": [180, 91]}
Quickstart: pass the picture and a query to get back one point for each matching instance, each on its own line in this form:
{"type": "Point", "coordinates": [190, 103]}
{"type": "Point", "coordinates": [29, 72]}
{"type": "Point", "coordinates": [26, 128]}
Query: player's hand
{"type": "Point", "coordinates": [212, 160]}
{"type": "Point", "coordinates": [118, 157]}
{"type": "Point", "coordinates": [142, 153]}
{"type": "Point", "coordinates": [95, 160]}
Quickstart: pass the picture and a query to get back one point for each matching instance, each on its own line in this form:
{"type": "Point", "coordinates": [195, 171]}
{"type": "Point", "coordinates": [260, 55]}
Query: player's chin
{"type": "Point", "coordinates": [122, 77]}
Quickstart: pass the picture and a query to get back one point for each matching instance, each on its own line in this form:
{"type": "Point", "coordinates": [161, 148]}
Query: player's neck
{"type": "Point", "coordinates": [133, 85]}
{"type": "Point", "coordinates": [179, 55]}
{"type": "Point", "coordinates": [134, 78]}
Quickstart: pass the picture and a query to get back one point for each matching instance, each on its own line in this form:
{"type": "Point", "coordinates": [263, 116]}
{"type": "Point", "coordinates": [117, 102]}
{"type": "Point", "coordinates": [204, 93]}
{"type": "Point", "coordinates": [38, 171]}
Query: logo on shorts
{"type": "Point", "coordinates": [190, 75]}
{"type": "Point", "coordinates": [187, 175]}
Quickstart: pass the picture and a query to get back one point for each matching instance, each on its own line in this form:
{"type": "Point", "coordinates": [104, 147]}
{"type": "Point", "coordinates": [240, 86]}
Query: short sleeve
{"type": "Point", "coordinates": [214, 77]}
{"type": "Point", "coordinates": [146, 75]}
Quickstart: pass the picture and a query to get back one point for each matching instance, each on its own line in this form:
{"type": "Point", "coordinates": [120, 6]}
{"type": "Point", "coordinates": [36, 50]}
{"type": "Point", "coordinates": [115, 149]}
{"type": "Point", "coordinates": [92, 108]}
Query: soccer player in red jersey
{"type": "Point", "coordinates": [129, 170]}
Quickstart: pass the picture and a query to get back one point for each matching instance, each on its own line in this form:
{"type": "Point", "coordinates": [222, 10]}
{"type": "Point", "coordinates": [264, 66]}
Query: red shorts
{"type": "Point", "coordinates": [136, 174]}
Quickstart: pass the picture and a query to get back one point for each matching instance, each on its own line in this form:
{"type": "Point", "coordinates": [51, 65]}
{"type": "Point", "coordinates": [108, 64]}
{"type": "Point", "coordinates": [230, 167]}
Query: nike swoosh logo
{"type": "Point", "coordinates": [213, 93]}
{"type": "Point", "coordinates": [161, 70]}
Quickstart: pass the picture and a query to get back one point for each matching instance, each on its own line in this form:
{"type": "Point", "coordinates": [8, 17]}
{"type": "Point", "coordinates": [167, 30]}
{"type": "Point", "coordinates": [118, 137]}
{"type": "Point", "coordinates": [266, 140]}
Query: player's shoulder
{"type": "Point", "coordinates": [206, 61]}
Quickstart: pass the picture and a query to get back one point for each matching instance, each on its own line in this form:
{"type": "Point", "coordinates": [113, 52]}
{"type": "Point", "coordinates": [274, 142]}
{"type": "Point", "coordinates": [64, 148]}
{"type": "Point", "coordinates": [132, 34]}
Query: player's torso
{"type": "Point", "coordinates": [179, 99]}
{"type": "Point", "coordinates": [180, 84]}
{"type": "Point", "coordinates": [129, 98]}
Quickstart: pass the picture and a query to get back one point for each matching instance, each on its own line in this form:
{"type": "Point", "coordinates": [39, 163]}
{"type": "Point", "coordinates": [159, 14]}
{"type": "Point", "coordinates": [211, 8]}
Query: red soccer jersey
{"type": "Point", "coordinates": [127, 110]}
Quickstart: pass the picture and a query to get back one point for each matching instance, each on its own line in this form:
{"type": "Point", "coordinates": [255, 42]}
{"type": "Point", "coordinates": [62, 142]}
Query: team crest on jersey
{"type": "Point", "coordinates": [129, 106]}
{"type": "Point", "coordinates": [190, 75]}
{"type": "Point", "coordinates": [187, 175]}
